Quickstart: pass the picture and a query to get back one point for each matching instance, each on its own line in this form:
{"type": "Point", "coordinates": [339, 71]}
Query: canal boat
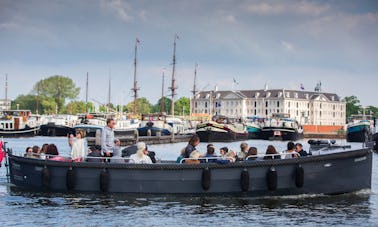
{"type": "Point", "coordinates": [336, 172]}
{"type": "Point", "coordinates": [221, 129]}
{"type": "Point", "coordinates": [281, 127]}
{"type": "Point", "coordinates": [18, 123]}
{"type": "Point", "coordinates": [58, 125]}
{"type": "Point", "coordinates": [253, 125]}
{"type": "Point", "coordinates": [360, 128]}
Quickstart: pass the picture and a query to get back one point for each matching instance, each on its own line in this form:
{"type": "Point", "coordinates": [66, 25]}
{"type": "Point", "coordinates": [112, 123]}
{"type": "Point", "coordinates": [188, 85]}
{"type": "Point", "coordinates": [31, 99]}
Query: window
{"type": "Point", "coordinates": [255, 104]}
{"type": "Point", "coordinates": [297, 105]}
{"type": "Point", "coordinates": [278, 110]}
{"type": "Point", "coordinates": [195, 104]}
{"type": "Point", "coordinates": [288, 104]}
{"type": "Point", "coordinates": [278, 103]}
{"type": "Point", "coordinates": [266, 112]}
{"type": "Point", "coordinates": [255, 112]}
{"type": "Point", "coordinates": [266, 103]}
{"type": "Point", "coordinates": [205, 104]}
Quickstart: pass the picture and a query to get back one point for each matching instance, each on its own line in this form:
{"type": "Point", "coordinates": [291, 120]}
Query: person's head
{"type": "Point", "coordinates": [195, 154]}
{"type": "Point", "coordinates": [223, 150]}
{"type": "Point", "coordinates": [252, 151]}
{"type": "Point", "coordinates": [194, 140]}
{"type": "Point", "coordinates": [298, 147]}
{"type": "Point", "coordinates": [210, 149]}
{"type": "Point", "coordinates": [36, 149]}
{"type": "Point", "coordinates": [29, 150]}
{"type": "Point", "coordinates": [80, 134]}
{"type": "Point", "coordinates": [141, 149]}
{"type": "Point", "coordinates": [244, 147]}
{"type": "Point", "coordinates": [271, 150]}
{"type": "Point", "coordinates": [52, 150]}
{"type": "Point", "coordinates": [290, 146]}
{"type": "Point", "coordinates": [44, 148]}
{"type": "Point", "coordinates": [110, 122]}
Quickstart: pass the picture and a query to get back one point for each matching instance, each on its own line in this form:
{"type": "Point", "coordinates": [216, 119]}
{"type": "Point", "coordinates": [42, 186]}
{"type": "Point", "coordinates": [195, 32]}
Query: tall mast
{"type": "Point", "coordinates": [135, 88]}
{"type": "Point", "coordinates": [173, 88]}
{"type": "Point", "coordinates": [162, 96]}
{"type": "Point", "coordinates": [109, 92]}
{"type": "Point", "coordinates": [6, 91]}
{"type": "Point", "coordinates": [194, 91]}
{"type": "Point", "coordinates": [38, 92]}
{"type": "Point", "coordinates": [86, 94]}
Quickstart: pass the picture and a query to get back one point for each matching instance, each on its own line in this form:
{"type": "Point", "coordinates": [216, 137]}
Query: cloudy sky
{"type": "Point", "coordinates": [280, 43]}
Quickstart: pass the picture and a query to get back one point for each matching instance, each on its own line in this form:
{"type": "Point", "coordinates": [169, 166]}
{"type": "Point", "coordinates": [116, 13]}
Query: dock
{"type": "Point", "coordinates": [126, 141]}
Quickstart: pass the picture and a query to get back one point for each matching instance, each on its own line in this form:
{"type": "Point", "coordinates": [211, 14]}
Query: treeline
{"type": "Point", "coordinates": [57, 94]}
{"type": "Point", "coordinates": [353, 106]}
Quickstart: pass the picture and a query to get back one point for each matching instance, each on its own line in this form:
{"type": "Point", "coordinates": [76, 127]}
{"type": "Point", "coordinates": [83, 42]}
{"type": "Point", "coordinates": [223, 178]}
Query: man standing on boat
{"type": "Point", "coordinates": [109, 145]}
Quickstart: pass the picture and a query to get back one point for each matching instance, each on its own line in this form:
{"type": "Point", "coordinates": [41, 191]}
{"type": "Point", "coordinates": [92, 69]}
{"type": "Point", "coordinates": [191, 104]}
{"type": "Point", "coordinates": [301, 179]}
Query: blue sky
{"type": "Point", "coordinates": [281, 43]}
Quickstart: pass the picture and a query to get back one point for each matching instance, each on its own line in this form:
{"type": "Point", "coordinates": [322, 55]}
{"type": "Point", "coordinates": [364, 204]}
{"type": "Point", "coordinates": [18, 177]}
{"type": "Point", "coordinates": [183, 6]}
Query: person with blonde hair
{"type": "Point", "coordinates": [78, 146]}
{"type": "Point", "coordinates": [141, 157]}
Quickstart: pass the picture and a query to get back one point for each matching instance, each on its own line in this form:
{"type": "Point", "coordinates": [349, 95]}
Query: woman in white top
{"type": "Point", "coordinates": [141, 157]}
{"type": "Point", "coordinates": [78, 146]}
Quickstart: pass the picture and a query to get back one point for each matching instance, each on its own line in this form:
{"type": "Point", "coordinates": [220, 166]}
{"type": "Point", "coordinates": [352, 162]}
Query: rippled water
{"type": "Point", "coordinates": [35, 209]}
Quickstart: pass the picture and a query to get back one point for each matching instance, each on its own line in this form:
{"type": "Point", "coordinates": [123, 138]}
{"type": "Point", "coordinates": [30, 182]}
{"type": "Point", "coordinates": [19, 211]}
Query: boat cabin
{"type": "Point", "coordinates": [14, 119]}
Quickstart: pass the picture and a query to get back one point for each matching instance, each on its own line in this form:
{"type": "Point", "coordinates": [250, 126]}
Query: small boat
{"type": "Point", "coordinates": [18, 123]}
{"type": "Point", "coordinates": [360, 128]}
{"type": "Point", "coordinates": [221, 129]}
{"type": "Point", "coordinates": [334, 172]}
{"type": "Point", "coordinates": [58, 125]}
{"type": "Point", "coordinates": [155, 125]}
{"type": "Point", "coordinates": [281, 127]}
{"type": "Point", "coordinates": [253, 125]}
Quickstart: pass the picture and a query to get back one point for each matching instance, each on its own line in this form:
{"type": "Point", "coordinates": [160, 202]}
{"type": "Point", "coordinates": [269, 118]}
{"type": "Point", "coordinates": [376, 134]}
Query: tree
{"type": "Point", "coordinates": [372, 110]}
{"type": "Point", "coordinates": [143, 106]}
{"type": "Point", "coordinates": [352, 105]}
{"type": "Point", "coordinates": [29, 102]}
{"type": "Point", "coordinates": [182, 106]}
{"type": "Point", "coordinates": [76, 107]}
{"type": "Point", "coordinates": [167, 106]}
{"type": "Point", "coordinates": [57, 87]}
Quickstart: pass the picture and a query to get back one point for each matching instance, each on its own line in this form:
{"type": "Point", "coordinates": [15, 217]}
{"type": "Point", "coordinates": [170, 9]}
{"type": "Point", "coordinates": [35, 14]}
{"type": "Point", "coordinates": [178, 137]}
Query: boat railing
{"type": "Point", "coordinates": [282, 155]}
{"type": "Point", "coordinates": [206, 159]}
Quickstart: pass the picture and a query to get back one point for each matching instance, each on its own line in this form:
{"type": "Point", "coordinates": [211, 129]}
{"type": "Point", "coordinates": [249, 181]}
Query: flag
{"type": "Point", "coordinates": [218, 105]}
{"type": "Point", "coordinates": [177, 36]}
{"type": "Point", "coordinates": [235, 82]}
{"type": "Point", "coordinates": [302, 87]}
{"type": "Point", "coordinates": [137, 40]}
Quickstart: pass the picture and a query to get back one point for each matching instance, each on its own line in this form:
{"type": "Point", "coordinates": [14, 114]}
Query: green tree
{"type": "Point", "coordinates": [57, 87]}
{"type": "Point", "coordinates": [29, 102]}
{"type": "Point", "coordinates": [373, 110]}
{"type": "Point", "coordinates": [143, 106]}
{"type": "Point", "coordinates": [75, 107]}
{"type": "Point", "coordinates": [167, 106]}
{"type": "Point", "coordinates": [352, 105]}
{"type": "Point", "coordinates": [182, 106]}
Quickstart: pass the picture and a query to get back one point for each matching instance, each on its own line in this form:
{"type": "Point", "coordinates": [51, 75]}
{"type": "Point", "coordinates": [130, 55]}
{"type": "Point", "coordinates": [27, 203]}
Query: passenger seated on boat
{"type": "Point", "coordinates": [300, 151]}
{"type": "Point", "coordinates": [141, 156]}
{"type": "Point", "coordinates": [252, 154]}
{"type": "Point", "coordinates": [243, 152]}
{"type": "Point", "coordinates": [194, 156]}
{"type": "Point", "coordinates": [94, 154]}
{"type": "Point", "coordinates": [290, 152]}
{"type": "Point", "coordinates": [271, 153]}
{"type": "Point", "coordinates": [43, 151]}
{"type": "Point", "coordinates": [193, 142]}
{"type": "Point", "coordinates": [210, 153]}
{"type": "Point", "coordinates": [36, 151]}
{"type": "Point", "coordinates": [28, 152]}
{"type": "Point", "coordinates": [53, 154]}
{"type": "Point", "coordinates": [231, 156]}
{"type": "Point", "coordinates": [223, 151]}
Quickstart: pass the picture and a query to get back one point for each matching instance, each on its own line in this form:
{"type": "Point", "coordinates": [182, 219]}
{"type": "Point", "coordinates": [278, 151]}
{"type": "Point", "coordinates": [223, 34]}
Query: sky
{"type": "Point", "coordinates": [282, 43]}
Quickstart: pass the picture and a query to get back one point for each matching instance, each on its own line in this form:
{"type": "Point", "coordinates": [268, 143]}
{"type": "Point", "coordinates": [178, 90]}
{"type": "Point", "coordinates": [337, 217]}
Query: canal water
{"type": "Point", "coordinates": [21, 208]}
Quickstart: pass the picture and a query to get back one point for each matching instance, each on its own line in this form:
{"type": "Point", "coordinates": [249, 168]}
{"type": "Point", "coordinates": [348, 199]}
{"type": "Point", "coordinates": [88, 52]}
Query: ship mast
{"type": "Point", "coordinates": [162, 96]}
{"type": "Point", "coordinates": [173, 87]}
{"type": "Point", "coordinates": [194, 91]}
{"type": "Point", "coordinates": [86, 94]}
{"type": "Point", "coordinates": [135, 88]}
{"type": "Point", "coordinates": [6, 91]}
{"type": "Point", "coordinates": [37, 106]}
{"type": "Point", "coordinates": [109, 92]}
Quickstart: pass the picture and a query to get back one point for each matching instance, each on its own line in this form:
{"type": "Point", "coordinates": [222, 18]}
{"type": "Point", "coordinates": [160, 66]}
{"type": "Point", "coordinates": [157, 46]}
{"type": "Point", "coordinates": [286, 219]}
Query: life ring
{"type": "Point", "coordinates": [45, 174]}
{"type": "Point", "coordinates": [272, 179]}
{"type": "Point", "coordinates": [244, 180]}
{"type": "Point", "coordinates": [70, 179]}
{"type": "Point", "coordinates": [299, 176]}
{"type": "Point", "coordinates": [104, 180]}
{"type": "Point", "coordinates": [206, 179]}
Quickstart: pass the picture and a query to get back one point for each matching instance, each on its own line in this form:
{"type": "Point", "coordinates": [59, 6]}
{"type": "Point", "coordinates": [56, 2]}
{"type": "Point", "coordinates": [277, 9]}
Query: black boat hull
{"type": "Point", "coordinates": [210, 135]}
{"type": "Point", "coordinates": [326, 174]}
{"type": "Point", "coordinates": [27, 132]}
{"type": "Point", "coordinates": [357, 136]}
{"type": "Point", "coordinates": [280, 134]}
{"type": "Point", "coordinates": [143, 131]}
{"type": "Point", "coordinates": [55, 130]}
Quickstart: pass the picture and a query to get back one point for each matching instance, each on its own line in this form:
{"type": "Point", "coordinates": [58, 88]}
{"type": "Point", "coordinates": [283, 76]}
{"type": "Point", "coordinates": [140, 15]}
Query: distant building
{"type": "Point", "coordinates": [5, 105]}
{"type": "Point", "coordinates": [308, 108]}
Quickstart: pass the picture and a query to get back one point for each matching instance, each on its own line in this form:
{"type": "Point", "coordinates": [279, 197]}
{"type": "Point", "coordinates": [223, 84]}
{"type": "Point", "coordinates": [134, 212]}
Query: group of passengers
{"type": "Point", "coordinates": [190, 154]}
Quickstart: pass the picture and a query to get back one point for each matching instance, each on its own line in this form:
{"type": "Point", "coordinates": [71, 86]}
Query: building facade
{"type": "Point", "coordinates": [308, 108]}
{"type": "Point", "coordinates": [5, 104]}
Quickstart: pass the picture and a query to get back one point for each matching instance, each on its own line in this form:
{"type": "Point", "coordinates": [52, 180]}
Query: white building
{"type": "Point", "coordinates": [308, 108]}
{"type": "Point", "coordinates": [5, 104]}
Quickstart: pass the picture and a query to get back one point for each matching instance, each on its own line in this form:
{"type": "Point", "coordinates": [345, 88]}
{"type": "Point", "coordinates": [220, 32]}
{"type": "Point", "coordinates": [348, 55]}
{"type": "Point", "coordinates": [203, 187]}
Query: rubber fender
{"type": "Point", "coordinates": [45, 174]}
{"type": "Point", "coordinates": [272, 179]}
{"type": "Point", "coordinates": [70, 179]}
{"type": "Point", "coordinates": [104, 180]}
{"type": "Point", "coordinates": [299, 176]}
{"type": "Point", "coordinates": [206, 179]}
{"type": "Point", "coordinates": [244, 180]}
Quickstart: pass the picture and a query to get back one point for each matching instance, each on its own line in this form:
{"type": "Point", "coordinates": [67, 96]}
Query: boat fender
{"type": "Point", "coordinates": [244, 180]}
{"type": "Point", "coordinates": [104, 180]}
{"type": "Point", "coordinates": [272, 179]}
{"type": "Point", "coordinates": [299, 176]}
{"type": "Point", "coordinates": [45, 177]}
{"type": "Point", "coordinates": [206, 179]}
{"type": "Point", "coordinates": [70, 179]}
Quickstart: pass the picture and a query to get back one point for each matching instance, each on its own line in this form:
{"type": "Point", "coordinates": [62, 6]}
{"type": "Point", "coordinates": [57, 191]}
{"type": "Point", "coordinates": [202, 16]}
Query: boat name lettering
{"type": "Point", "coordinates": [360, 159]}
{"type": "Point", "coordinates": [328, 165]}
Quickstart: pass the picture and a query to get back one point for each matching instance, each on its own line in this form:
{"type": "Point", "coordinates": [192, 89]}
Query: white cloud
{"type": "Point", "coordinates": [286, 7]}
{"type": "Point", "coordinates": [287, 46]}
{"type": "Point", "coordinates": [120, 7]}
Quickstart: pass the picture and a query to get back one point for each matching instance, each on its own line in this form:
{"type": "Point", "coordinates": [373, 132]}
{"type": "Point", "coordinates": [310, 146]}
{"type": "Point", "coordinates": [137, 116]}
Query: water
{"type": "Point", "coordinates": [21, 208]}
